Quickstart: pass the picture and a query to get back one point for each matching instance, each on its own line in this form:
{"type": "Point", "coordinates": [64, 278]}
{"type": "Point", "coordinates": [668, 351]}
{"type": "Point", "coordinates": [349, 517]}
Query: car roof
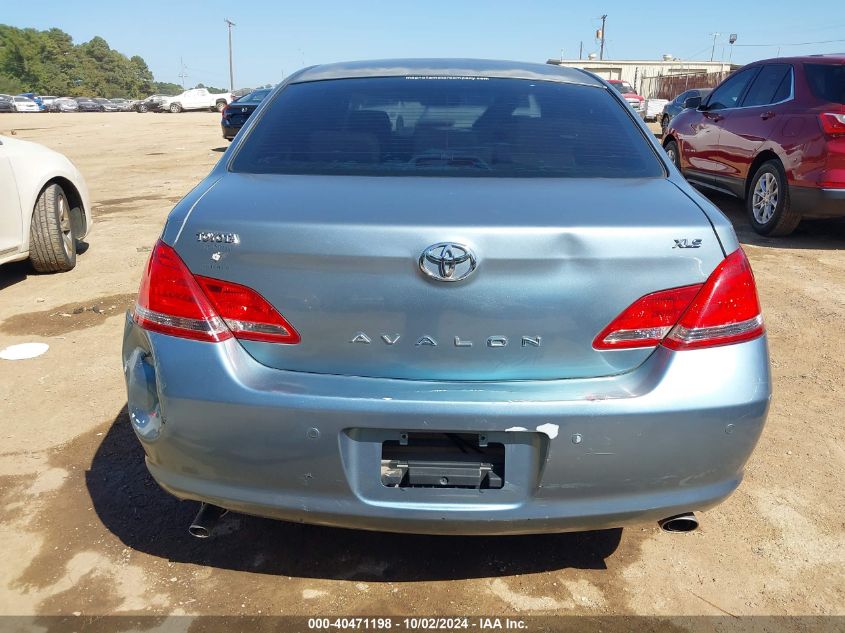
{"type": "Point", "coordinates": [446, 68]}
{"type": "Point", "coordinates": [838, 58]}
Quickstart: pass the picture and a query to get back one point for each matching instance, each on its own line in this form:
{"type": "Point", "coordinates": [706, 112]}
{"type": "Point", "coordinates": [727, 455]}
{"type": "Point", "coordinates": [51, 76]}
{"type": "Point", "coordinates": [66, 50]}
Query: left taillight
{"type": "Point", "coordinates": [723, 310]}
{"type": "Point", "coordinates": [173, 301]}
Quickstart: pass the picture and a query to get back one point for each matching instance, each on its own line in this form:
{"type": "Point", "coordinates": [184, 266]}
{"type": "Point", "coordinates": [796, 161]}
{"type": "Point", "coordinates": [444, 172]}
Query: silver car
{"type": "Point", "coordinates": [447, 296]}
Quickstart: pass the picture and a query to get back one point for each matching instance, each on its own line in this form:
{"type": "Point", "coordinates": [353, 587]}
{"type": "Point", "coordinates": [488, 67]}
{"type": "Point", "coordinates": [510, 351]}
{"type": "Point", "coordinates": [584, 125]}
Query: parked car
{"type": "Point", "coordinates": [88, 104]}
{"type": "Point", "coordinates": [64, 104]}
{"type": "Point", "coordinates": [32, 96]}
{"type": "Point", "coordinates": [676, 105]}
{"type": "Point", "coordinates": [46, 101]}
{"type": "Point", "coordinates": [150, 104]}
{"type": "Point", "coordinates": [25, 104]}
{"type": "Point", "coordinates": [652, 109]}
{"type": "Point", "coordinates": [122, 105]}
{"type": "Point", "coordinates": [7, 103]}
{"type": "Point", "coordinates": [236, 113]}
{"type": "Point", "coordinates": [106, 104]}
{"type": "Point", "coordinates": [196, 99]}
{"type": "Point", "coordinates": [773, 134]}
{"type": "Point", "coordinates": [44, 206]}
{"type": "Point", "coordinates": [447, 305]}
{"type": "Point", "coordinates": [628, 92]}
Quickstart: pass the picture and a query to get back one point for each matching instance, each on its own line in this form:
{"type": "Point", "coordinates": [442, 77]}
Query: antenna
{"type": "Point", "coordinates": [230, 24]}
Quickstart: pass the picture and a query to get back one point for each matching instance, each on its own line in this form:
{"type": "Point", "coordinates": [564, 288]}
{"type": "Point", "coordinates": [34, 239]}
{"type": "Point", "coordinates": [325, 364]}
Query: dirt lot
{"type": "Point", "coordinates": [85, 529]}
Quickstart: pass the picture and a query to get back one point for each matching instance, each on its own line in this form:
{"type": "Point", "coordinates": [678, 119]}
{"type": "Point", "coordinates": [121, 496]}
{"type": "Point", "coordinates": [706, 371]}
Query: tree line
{"type": "Point", "coordinates": [48, 62]}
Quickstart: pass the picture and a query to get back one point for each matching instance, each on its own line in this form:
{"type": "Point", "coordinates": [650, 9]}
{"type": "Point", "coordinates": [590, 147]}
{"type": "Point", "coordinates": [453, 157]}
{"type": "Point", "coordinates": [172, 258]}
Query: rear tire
{"type": "Point", "coordinates": [175, 108]}
{"type": "Point", "coordinates": [52, 244]}
{"type": "Point", "coordinates": [142, 108]}
{"type": "Point", "coordinates": [220, 105]}
{"type": "Point", "coordinates": [768, 203]}
{"type": "Point", "coordinates": [672, 152]}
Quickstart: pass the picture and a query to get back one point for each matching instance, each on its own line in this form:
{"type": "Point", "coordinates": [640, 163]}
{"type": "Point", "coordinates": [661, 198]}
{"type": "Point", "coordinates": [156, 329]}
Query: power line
{"type": "Point", "coordinates": [795, 44]}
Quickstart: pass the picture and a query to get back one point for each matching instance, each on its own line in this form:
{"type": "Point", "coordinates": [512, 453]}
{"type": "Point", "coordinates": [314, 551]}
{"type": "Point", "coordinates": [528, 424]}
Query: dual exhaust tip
{"type": "Point", "coordinates": [208, 516]}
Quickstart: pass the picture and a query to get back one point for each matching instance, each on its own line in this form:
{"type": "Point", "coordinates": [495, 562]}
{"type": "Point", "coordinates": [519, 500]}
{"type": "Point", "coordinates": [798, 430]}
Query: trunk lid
{"type": "Point", "coordinates": [557, 260]}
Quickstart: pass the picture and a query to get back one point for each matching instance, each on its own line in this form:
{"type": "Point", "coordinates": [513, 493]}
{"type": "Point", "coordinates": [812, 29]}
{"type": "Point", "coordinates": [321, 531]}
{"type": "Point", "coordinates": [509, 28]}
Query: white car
{"type": "Point", "coordinates": [653, 109]}
{"type": "Point", "coordinates": [44, 206]}
{"type": "Point", "coordinates": [197, 99]}
{"type": "Point", "coordinates": [25, 104]}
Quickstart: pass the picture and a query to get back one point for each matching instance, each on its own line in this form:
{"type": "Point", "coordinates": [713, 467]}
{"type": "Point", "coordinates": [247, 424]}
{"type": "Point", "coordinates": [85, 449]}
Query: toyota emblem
{"type": "Point", "coordinates": [448, 261]}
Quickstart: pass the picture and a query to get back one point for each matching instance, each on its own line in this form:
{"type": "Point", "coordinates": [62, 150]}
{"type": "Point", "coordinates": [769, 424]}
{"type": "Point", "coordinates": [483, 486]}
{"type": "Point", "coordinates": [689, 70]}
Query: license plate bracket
{"type": "Point", "coordinates": [442, 460]}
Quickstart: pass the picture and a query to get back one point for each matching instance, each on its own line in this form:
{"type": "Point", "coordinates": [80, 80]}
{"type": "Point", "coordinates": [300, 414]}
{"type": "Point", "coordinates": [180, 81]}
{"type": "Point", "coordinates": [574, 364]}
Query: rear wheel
{"type": "Point", "coordinates": [220, 105]}
{"type": "Point", "coordinates": [175, 108]}
{"type": "Point", "coordinates": [768, 203]}
{"type": "Point", "coordinates": [52, 244]}
{"type": "Point", "coordinates": [672, 152]}
{"type": "Point", "coordinates": [142, 107]}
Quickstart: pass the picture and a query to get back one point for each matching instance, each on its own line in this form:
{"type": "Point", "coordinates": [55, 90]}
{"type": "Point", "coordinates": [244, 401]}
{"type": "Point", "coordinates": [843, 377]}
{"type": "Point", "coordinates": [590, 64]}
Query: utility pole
{"type": "Point", "coordinates": [182, 74]}
{"type": "Point", "coordinates": [713, 50]}
{"type": "Point", "coordinates": [581, 50]}
{"type": "Point", "coordinates": [230, 24]}
{"type": "Point", "coordinates": [601, 35]}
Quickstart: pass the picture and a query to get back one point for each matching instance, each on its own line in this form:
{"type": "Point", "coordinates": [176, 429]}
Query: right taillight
{"type": "Point", "coordinates": [723, 310]}
{"type": "Point", "coordinates": [833, 123]}
{"type": "Point", "coordinates": [175, 302]}
{"type": "Point", "coordinates": [726, 310]}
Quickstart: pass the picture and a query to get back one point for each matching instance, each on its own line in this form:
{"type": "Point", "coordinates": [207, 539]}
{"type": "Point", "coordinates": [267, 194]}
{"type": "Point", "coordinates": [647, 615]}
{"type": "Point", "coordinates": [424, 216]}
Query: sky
{"type": "Point", "coordinates": [273, 39]}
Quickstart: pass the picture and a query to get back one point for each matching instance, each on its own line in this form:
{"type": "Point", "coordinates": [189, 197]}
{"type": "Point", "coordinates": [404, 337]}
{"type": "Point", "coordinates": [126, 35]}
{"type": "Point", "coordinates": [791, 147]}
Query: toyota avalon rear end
{"type": "Point", "coordinates": [447, 296]}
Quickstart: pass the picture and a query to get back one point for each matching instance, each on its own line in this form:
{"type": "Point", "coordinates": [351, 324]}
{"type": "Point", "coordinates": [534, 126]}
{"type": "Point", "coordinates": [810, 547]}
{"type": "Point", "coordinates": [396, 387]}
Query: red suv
{"type": "Point", "coordinates": [773, 134]}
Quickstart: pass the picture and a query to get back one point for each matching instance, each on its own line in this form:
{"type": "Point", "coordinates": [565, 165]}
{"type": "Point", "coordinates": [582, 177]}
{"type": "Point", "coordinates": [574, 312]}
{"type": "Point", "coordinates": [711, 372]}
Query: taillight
{"type": "Point", "coordinates": [726, 310]}
{"type": "Point", "coordinates": [246, 313]}
{"type": "Point", "coordinates": [833, 124]}
{"type": "Point", "coordinates": [647, 321]}
{"type": "Point", "coordinates": [723, 310]}
{"type": "Point", "coordinates": [173, 301]}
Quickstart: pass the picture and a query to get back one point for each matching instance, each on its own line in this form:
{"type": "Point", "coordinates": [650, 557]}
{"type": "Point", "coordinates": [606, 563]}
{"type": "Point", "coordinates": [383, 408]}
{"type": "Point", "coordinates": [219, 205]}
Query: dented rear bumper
{"type": "Point", "coordinates": [671, 436]}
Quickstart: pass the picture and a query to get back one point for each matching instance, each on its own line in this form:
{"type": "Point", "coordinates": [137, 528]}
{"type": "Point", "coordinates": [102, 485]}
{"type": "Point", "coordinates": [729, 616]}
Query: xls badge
{"type": "Point", "coordinates": [687, 243]}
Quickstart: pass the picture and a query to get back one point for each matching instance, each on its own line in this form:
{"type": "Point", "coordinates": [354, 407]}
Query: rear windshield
{"type": "Point", "coordinates": [417, 126]}
{"type": "Point", "coordinates": [827, 81]}
{"type": "Point", "coordinates": [256, 96]}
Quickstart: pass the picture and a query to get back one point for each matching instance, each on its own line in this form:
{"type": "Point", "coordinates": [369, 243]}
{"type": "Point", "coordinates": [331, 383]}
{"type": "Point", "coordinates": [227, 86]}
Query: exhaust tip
{"type": "Point", "coordinates": [679, 523]}
{"type": "Point", "coordinates": [204, 522]}
{"type": "Point", "coordinates": [199, 531]}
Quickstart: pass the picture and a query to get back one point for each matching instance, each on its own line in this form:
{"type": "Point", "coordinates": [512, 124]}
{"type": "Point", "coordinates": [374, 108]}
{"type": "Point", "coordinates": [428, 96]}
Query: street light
{"type": "Point", "coordinates": [731, 40]}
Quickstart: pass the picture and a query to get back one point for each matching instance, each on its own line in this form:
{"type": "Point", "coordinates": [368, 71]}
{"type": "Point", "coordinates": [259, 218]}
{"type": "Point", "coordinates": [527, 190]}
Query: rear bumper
{"type": "Point", "coordinates": [229, 131]}
{"type": "Point", "coordinates": [670, 437]}
{"type": "Point", "coordinates": [814, 202]}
